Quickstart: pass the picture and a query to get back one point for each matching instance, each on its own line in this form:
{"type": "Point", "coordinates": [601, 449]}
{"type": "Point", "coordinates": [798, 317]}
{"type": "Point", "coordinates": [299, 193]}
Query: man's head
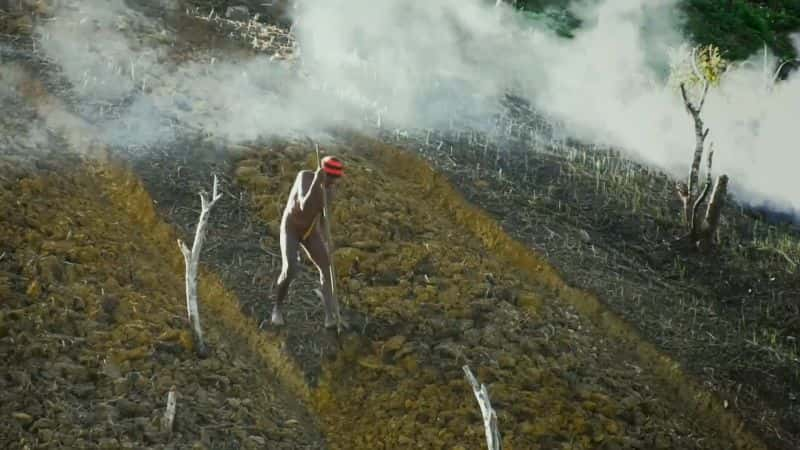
{"type": "Point", "coordinates": [334, 169]}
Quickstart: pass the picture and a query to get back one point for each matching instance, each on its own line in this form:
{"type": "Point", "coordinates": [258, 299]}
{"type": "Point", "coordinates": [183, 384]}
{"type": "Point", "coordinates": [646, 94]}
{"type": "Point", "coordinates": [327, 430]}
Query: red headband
{"type": "Point", "coordinates": [332, 166]}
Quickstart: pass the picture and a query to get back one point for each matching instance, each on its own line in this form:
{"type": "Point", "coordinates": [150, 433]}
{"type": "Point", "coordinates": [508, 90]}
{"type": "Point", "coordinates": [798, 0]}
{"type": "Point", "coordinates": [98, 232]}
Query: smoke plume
{"type": "Point", "coordinates": [420, 64]}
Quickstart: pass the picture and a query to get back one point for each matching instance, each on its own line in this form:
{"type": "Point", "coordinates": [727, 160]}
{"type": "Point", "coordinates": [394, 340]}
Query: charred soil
{"type": "Point", "coordinates": [610, 226]}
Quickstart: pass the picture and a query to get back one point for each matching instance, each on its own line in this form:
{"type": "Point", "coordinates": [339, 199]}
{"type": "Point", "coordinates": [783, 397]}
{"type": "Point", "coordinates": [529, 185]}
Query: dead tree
{"type": "Point", "coordinates": [701, 232]}
{"type": "Point", "coordinates": [493, 441]}
{"type": "Point", "coordinates": [192, 260]}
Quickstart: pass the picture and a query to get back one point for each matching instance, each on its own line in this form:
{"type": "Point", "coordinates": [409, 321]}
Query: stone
{"type": "Point", "coordinates": [238, 13]}
{"type": "Point", "coordinates": [472, 336]}
{"type": "Point", "coordinates": [83, 390]}
{"type": "Point", "coordinates": [122, 386]}
{"type": "Point", "coordinates": [51, 269]}
{"type": "Point", "coordinates": [492, 337]}
{"type": "Point", "coordinates": [128, 408]}
{"type": "Point", "coordinates": [394, 343]}
{"type": "Point", "coordinates": [22, 418]}
{"type": "Point", "coordinates": [259, 440]}
{"type": "Point", "coordinates": [662, 441]}
{"type": "Point", "coordinates": [43, 423]}
{"type": "Point", "coordinates": [45, 434]}
{"type": "Point", "coordinates": [108, 443]}
{"type": "Point", "coordinates": [629, 442]}
{"type": "Point", "coordinates": [409, 364]}
{"type": "Point", "coordinates": [506, 361]}
{"type": "Point", "coordinates": [450, 349]}
{"type": "Point", "coordinates": [75, 372]}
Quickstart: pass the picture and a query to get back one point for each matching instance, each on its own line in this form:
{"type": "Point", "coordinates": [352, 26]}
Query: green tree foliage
{"type": "Point", "coordinates": [696, 66]}
{"type": "Point", "coordinates": [552, 13]}
{"type": "Point", "coordinates": [741, 27]}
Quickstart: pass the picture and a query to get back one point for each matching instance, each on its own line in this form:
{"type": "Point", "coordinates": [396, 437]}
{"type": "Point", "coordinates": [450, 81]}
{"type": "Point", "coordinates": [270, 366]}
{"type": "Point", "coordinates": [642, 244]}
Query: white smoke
{"type": "Point", "coordinates": [419, 63]}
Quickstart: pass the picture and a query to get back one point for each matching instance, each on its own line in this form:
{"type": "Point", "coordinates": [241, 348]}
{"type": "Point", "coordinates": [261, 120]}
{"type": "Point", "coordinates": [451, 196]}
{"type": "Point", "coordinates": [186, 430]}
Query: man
{"type": "Point", "coordinates": [302, 225]}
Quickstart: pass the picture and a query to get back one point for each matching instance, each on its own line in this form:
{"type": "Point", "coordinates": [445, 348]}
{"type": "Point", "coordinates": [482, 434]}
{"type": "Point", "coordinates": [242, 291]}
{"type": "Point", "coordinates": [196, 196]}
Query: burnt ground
{"type": "Point", "coordinates": [730, 317]}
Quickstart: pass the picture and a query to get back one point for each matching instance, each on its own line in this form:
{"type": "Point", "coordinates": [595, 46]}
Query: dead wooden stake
{"type": "Point", "coordinates": [493, 441]}
{"type": "Point", "coordinates": [192, 260]}
{"type": "Point", "coordinates": [169, 413]}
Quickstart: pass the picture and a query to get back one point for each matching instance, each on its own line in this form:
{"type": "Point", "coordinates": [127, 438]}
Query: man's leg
{"type": "Point", "coordinates": [318, 252]}
{"type": "Point", "coordinates": [289, 261]}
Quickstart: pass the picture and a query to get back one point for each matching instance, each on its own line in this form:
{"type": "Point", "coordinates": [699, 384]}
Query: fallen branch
{"type": "Point", "coordinates": [192, 260]}
{"type": "Point", "coordinates": [493, 441]}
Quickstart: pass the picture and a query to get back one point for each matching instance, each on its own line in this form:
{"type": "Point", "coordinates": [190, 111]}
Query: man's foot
{"type": "Point", "coordinates": [277, 317]}
{"type": "Point", "coordinates": [331, 322]}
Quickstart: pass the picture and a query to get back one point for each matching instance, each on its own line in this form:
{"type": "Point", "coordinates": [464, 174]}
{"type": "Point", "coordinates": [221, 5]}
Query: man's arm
{"type": "Point", "coordinates": [305, 197]}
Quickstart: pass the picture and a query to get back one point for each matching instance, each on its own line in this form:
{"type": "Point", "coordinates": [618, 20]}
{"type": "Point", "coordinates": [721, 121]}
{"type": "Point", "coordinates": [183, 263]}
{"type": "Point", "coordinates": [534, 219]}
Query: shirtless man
{"type": "Point", "coordinates": [302, 225]}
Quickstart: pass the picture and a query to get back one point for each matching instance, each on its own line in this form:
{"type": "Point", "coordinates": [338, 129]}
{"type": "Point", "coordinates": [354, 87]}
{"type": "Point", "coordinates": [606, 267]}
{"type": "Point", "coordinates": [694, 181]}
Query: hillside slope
{"type": "Point", "coordinates": [426, 294]}
{"type": "Point", "coordinates": [611, 226]}
{"type": "Point", "coordinates": [430, 283]}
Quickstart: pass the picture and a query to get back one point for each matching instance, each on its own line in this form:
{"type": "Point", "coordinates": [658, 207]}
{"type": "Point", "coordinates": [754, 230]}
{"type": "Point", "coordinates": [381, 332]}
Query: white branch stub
{"type": "Point", "coordinates": [169, 414]}
{"type": "Point", "coordinates": [493, 441]}
{"type": "Point", "coordinates": [192, 261]}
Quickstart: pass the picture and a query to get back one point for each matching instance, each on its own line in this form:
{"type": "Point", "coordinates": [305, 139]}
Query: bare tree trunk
{"type": "Point", "coordinates": [713, 212]}
{"type": "Point", "coordinates": [694, 225]}
{"type": "Point", "coordinates": [192, 261]}
{"type": "Point", "coordinates": [493, 441]}
{"type": "Point", "coordinates": [687, 193]}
